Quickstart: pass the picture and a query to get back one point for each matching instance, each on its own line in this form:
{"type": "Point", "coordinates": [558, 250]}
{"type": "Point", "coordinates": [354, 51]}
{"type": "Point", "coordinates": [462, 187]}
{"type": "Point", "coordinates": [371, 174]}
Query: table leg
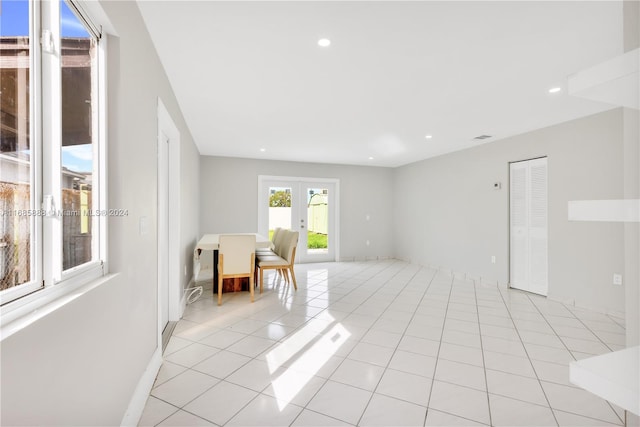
{"type": "Point", "coordinates": [215, 271]}
{"type": "Point", "coordinates": [229, 285]}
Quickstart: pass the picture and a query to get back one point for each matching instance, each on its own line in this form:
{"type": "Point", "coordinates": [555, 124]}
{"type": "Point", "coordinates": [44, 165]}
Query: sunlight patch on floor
{"type": "Point", "coordinates": [293, 380]}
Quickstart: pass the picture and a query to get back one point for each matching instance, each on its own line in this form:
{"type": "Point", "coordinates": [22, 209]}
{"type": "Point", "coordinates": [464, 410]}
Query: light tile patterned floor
{"type": "Point", "coordinates": [381, 343]}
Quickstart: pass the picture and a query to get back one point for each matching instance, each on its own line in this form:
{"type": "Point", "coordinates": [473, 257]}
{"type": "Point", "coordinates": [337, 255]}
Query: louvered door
{"type": "Point", "coordinates": [528, 225]}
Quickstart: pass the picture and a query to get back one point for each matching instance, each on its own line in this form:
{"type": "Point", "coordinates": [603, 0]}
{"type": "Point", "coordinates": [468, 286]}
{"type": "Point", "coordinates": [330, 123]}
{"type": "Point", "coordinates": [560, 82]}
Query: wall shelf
{"type": "Point", "coordinates": [614, 81]}
{"type": "Point", "coordinates": [613, 376]}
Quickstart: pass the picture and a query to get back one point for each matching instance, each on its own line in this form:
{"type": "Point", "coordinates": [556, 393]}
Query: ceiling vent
{"type": "Point", "coordinates": [481, 137]}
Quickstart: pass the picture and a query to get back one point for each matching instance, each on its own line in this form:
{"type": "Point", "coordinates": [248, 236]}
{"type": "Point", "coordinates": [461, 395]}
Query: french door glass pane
{"type": "Point", "coordinates": [317, 220]}
{"type": "Point", "coordinates": [16, 192]}
{"type": "Point", "coordinates": [279, 208]}
{"type": "Point", "coordinates": [78, 132]}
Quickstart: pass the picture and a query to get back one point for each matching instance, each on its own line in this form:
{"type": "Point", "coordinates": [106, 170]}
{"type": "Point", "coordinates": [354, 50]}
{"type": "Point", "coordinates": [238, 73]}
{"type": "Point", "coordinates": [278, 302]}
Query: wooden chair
{"type": "Point", "coordinates": [277, 240]}
{"type": "Point", "coordinates": [267, 251]}
{"type": "Point", "coordinates": [236, 258]}
{"type": "Point", "coordinates": [281, 260]}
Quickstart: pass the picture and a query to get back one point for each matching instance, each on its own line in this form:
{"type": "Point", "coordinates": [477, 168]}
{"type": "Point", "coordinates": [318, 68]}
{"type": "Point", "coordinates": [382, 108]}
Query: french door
{"type": "Point", "coordinates": [528, 225]}
{"type": "Point", "coordinates": [306, 205]}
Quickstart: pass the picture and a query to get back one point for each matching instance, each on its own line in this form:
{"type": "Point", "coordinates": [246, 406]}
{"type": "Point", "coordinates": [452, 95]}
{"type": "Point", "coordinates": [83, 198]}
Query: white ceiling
{"type": "Point", "coordinates": [250, 75]}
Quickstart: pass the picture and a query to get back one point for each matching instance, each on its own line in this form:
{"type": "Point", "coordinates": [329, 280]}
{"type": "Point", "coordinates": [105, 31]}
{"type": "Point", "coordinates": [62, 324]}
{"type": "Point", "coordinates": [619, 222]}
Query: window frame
{"type": "Point", "coordinates": [48, 279]}
{"type": "Point", "coordinates": [35, 169]}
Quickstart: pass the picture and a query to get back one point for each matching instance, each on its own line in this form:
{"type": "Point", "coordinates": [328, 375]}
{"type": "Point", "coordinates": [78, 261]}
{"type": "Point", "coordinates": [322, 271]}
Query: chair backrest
{"type": "Point", "coordinates": [279, 241]}
{"type": "Point", "coordinates": [274, 236]}
{"type": "Point", "coordinates": [236, 250]}
{"type": "Point", "coordinates": [276, 231]}
{"type": "Point", "coordinates": [289, 246]}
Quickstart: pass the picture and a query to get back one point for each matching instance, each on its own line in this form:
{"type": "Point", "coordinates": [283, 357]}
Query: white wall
{"type": "Point", "coordinates": [190, 207]}
{"type": "Point", "coordinates": [448, 214]}
{"type": "Point", "coordinates": [80, 364]}
{"type": "Point", "coordinates": [229, 200]}
{"type": "Point", "coordinates": [632, 230]}
{"type": "Point", "coordinates": [631, 26]}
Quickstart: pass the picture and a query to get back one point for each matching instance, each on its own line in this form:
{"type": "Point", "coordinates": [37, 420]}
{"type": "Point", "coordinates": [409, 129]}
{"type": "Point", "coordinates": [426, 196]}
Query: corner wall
{"type": "Point", "coordinates": [229, 200]}
{"type": "Point", "coordinates": [631, 10]}
{"type": "Point", "coordinates": [447, 213]}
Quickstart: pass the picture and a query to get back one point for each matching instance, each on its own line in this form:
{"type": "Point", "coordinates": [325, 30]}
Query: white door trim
{"type": "Point", "coordinates": [176, 302]}
{"type": "Point", "coordinates": [163, 228]}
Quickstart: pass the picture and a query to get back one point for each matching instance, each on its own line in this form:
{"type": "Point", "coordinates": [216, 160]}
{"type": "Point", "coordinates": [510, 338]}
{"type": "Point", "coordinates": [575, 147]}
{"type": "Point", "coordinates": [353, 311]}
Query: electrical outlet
{"type": "Point", "coordinates": [493, 259]}
{"type": "Point", "coordinates": [617, 279]}
{"type": "Point", "coordinates": [368, 243]}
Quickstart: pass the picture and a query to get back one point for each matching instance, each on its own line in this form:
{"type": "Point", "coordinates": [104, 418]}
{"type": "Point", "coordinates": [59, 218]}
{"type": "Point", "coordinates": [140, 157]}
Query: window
{"type": "Point", "coordinates": [51, 205]}
{"type": "Point", "coordinates": [79, 125]}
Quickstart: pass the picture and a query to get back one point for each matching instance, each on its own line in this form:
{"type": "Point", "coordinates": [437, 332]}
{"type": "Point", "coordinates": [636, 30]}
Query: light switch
{"type": "Point", "coordinates": [144, 225]}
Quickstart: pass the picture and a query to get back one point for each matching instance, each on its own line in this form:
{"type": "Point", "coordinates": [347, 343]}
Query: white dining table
{"type": "Point", "coordinates": [211, 242]}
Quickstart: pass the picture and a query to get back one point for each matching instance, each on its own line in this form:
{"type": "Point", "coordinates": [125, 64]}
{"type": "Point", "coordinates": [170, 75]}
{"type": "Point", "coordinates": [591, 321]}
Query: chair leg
{"type": "Point", "coordinates": [293, 277]}
{"type": "Point", "coordinates": [219, 288]}
{"type": "Point", "coordinates": [261, 278]}
{"type": "Point", "coordinates": [285, 274]}
{"type": "Point", "coordinates": [251, 286]}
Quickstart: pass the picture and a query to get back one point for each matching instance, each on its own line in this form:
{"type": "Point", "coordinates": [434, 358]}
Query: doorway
{"type": "Point", "coordinates": [170, 298]}
{"type": "Point", "coordinates": [307, 205]}
{"type": "Point", "coordinates": [163, 228]}
{"type": "Point", "coordinates": [528, 218]}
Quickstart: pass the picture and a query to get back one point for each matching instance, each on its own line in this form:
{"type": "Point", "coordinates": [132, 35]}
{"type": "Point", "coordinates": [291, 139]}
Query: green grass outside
{"type": "Point", "coordinates": [314, 240]}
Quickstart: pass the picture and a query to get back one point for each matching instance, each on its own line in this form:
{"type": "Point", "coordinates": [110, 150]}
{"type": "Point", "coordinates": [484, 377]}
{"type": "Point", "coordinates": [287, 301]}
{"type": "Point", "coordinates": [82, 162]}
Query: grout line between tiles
{"type": "Point", "coordinates": [435, 368]}
{"type": "Point", "coordinates": [345, 358]}
{"type": "Point", "coordinates": [571, 352]}
{"type": "Point", "coordinates": [614, 320]}
{"type": "Point", "coordinates": [529, 357]}
{"type": "Point", "coordinates": [223, 379]}
{"type": "Point", "coordinates": [399, 341]}
{"type": "Point", "coordinates": [484, 366]}
{"type": "Point", "coordinates": [170, 415]}
{"type": "Point", "coordinates": [371, 282]}
{"type": "Point", "coordinates": [589, 329]}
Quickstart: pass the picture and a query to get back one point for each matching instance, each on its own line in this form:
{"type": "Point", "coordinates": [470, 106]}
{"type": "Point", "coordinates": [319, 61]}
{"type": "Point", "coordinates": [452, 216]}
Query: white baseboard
{"type": "Point", "coordinates": [587, 306]}
{"type": "Point", "coordinates": [141, 393]}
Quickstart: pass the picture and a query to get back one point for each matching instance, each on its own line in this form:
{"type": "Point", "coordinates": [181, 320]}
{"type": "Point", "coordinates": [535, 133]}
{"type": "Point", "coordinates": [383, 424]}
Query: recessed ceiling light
{"type": "Point", "coordinates": [555, 89]}
{"type": "Point", "coordinates": [370, 158]}
{"type": "Point", "coordinates": [262, 150]}
{"type": "Point", "coordinates": [324, 42]}
{"type": "Point", "coordinates": [428, 136]}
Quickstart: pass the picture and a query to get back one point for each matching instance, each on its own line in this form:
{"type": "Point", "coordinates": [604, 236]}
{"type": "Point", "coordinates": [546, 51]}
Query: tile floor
{"type": "Point", "coordinates": [381, 343]}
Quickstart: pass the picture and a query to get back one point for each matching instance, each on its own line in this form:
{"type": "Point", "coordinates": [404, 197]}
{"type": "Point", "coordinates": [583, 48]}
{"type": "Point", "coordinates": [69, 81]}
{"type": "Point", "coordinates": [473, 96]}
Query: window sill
{"type": "Point", "coordinates": [14, 318]}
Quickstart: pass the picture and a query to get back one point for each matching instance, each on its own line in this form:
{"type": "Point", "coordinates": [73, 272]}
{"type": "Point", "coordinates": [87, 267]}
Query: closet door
{"type": "Point", "coordinates": [528, 226]}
